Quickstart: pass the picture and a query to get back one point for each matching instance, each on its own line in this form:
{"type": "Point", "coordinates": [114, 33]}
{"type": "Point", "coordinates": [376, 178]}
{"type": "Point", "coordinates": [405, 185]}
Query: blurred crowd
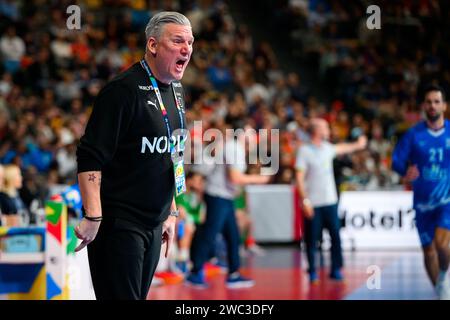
{"type": "Point", "coordinates": [50, 76]}
{"type": "Point", "coordinates": [373, 77]}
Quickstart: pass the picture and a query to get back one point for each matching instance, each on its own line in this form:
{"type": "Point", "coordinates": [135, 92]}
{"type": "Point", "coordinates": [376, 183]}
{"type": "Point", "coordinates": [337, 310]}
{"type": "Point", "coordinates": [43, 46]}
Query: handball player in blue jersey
{"type": "Point", "coordinates": [422, 156]}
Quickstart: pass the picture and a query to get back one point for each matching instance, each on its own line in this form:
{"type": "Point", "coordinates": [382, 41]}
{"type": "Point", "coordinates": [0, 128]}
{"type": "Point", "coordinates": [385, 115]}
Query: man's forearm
{"type": "Point", "coordinates": [301, 191]}
{"type": "Point", "coordinates": [245, 179]}
{"type": "Point", "coordinates": [345, 148]}
{"type": "Point", "coordinates": [301, 185]}
{"type": "Point", "coordinates": [89, 183]}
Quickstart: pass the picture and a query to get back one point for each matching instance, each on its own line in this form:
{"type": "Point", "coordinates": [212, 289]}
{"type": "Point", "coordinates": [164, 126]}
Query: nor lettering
{"type": "Point", "coordinates": [156, 143]}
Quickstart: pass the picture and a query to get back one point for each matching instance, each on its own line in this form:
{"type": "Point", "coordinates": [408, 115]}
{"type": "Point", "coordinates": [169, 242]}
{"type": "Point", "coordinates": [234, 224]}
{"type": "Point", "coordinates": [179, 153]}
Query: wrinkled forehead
{"type": "Point", "coordinates": [173, 29]}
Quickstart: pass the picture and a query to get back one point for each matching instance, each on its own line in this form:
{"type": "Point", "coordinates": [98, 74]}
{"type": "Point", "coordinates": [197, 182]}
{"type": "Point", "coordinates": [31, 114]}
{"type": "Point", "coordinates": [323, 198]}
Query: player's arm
{"type": "Point", "coordinates": [345, 148]}
{"type": "Point", "coordinates": [237, 167]}
{"type": "Point", "coordinates": [401, 158]}
{"type": "Point", "coordinates": [240, 178]}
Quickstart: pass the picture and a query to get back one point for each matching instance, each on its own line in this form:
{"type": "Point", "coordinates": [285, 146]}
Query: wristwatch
{"type": "Point", "coordinates": [306, 202]}
{"type": "Point", "coordinates": [174, 213]}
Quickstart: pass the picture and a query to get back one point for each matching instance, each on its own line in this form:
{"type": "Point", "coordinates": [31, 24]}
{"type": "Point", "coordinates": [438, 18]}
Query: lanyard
{"type": "Point", "coordinates": [161, 103]}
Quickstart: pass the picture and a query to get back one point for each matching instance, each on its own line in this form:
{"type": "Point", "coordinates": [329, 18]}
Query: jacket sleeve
{"type": "Point", "coordinates": [402, 153]}
{"type": "Point", "coordinates": [110, 118]}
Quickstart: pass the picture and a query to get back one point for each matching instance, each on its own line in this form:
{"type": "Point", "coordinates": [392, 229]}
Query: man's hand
{"type": "Point", "coordinates": [362, 142]}
{"type": "Point", "coordinates": [307, 209]}
{"type": "Point", "coordinates": [86, 231]}
{"type": "Point", "coordinates": [168, 233]}
{"type": "Point", "coordinates": [264, 179]}
{"type": "Point", "coordinates": [346, 148]}
{"type": "Point", "coordinates": [412, 173]}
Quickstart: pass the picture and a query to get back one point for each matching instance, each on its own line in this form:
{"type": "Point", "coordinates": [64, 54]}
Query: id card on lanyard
{"type": "Point", "coordinates": [177, 157]}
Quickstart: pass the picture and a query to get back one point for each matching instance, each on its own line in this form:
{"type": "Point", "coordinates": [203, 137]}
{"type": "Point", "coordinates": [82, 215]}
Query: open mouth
{"type": "Point", "coordinates": [180, 63]}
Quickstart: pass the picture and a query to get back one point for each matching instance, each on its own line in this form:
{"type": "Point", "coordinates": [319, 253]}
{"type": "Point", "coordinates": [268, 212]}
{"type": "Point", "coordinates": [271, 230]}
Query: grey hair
{"type": "Point", "coordinates": [158, 21]}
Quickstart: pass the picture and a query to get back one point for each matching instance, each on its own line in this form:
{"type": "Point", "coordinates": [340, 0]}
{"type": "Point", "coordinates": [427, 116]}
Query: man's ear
{"type": "Point", "coordinates": [151, 45]}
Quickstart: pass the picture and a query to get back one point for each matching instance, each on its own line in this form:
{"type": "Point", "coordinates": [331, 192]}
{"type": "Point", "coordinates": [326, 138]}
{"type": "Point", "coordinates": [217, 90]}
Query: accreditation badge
{"type": "Point", "coordinates": [178, 170]}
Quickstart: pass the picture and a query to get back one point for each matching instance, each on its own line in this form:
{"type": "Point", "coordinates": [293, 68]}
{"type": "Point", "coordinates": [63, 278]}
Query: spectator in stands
{"type": "Point", "coordinates": [67, 90]}
{"type": "Point", "coordinates": [41, 74]}
{"type": "Point", "coordinates": [2, 176]}
{"type": "Point", "coordinates": [12, 49]}
{"type": "Point", "coordinates": [10, 202]}
{"type": "Point", "coordinates": [34, 187]}
{"type": "Point", "coordinates": [62, 51]}
{"type": "Point", "coordinates": [9, 9]}
{"type": "Point", "coordinates": [378, 144]}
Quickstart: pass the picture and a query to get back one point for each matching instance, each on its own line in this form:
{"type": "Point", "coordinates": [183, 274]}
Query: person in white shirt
{"type": "Point", "coordinates": [12, 49]}
{"type": "Point", "coordinates": [318, 195]}
{"type": "Point", "coordinates": [222, 181]}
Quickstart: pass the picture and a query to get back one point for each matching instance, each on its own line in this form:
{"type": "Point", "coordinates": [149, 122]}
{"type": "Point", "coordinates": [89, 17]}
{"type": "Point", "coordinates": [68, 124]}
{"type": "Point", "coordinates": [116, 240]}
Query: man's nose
{"type": "Point", "coordinates": [185, 49]}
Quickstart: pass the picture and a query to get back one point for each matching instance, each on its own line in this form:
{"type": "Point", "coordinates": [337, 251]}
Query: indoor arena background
{"type": "Point", "coordinates": [264, 64]}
